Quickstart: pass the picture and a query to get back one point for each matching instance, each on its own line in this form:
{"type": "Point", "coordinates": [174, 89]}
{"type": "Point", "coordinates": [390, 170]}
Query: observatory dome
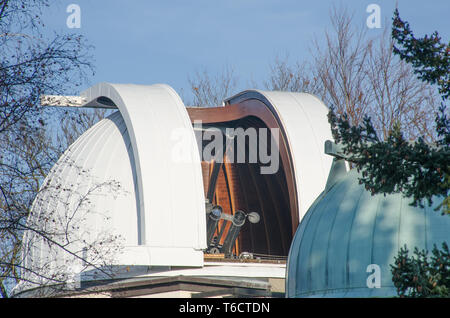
{"type": "Point", "coordinates": [129, 198]}
{"type": "Point", "coordinates": [117, 197]}
{"type": "Point", "coordinates": [346, 230]}
{"type": "Point", "coordinates": [90, 193]}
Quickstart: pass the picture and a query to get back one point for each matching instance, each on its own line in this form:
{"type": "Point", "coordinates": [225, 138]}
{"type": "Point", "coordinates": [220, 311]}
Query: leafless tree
{"type": "Point", "coordinates": [292, 77]}
{"type": "Point", "coordinates": [356, 73]}
{"type": "Point", "coordinates": [74, 122]}
{"type": "Point", "coordinates": [31, 65]}
{"type": "Point", "coordinates": [339, 66]}
{"type": "Point", "coordinates": [58, 225]}
{"type": "Point", "coordinates": [398, 98]}
{"type": "Point", "coordinates": [360, 76]}
{"type": "Point", "coordinates": [210, 90]}
{"type": "Point", "coordinates": [28, 159]}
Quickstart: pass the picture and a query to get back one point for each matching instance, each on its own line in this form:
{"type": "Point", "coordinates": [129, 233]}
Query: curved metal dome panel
{"type": "Point", "coordinates": [135, 186]}
{"type": "Point", "coordinates": [170, 189]}
{"type": "Point", "coordinates": [121, 180]}
{"type": "Point", "coordinates": [88, 196]}
{"type": "Point", "coordinates": [303, 119]}
{"type": "Point", "coordinates": [347, 229]}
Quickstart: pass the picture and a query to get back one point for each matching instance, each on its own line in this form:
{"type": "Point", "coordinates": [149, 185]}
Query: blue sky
{"type": "Point", "coordinates": [147, 41]}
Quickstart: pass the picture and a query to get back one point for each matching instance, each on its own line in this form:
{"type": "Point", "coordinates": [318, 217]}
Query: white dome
{"type": "Point", "coordinates": [99, 164]}
{"type": "Point", "coordinates": [87, 198]}
{"type": "Point", "coordinates": [117, 196]}
{"type": "Point", "coordinates": [129, 192]}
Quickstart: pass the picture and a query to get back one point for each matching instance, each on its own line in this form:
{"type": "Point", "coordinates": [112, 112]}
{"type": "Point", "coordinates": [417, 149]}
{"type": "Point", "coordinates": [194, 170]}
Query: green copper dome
{"type": "Point", "coordinates": [346, 229]}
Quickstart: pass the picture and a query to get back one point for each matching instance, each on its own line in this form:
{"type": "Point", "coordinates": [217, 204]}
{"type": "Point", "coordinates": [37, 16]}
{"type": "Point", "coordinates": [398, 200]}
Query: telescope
{"type": "Point", "coordinates": [214, 213]}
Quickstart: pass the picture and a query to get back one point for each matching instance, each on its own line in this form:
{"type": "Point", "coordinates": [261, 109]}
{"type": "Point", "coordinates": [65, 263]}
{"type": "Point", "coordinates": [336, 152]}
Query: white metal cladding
{"type": "Point", "coordinates": [96, 156]}
{"type": "Point", "coordinates": [159, 210]}
{"type": "Point", "coordinates": [303, 119]}
{"type": "Point", "coordinates": [170, 190]}
{"type": "Point", "coordinates": [88, 169]}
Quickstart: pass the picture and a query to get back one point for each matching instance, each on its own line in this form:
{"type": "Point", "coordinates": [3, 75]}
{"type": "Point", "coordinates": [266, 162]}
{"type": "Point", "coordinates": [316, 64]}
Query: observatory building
{"type": "Point", "coordinates": [160, 199]}
{"type": "Point", "coordinates": [348, 238]}
{"type": "Point", "coordinates": [148, 209]}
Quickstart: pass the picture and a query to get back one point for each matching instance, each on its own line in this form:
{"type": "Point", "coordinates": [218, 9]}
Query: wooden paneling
{"type": "Point", "coordinates": [240, 186]}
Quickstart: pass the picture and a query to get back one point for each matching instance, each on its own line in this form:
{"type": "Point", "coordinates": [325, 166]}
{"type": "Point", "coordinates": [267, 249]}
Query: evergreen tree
{"type": "Point", "coordinates": [420, 275]}
{"type": "Point", "coordinates": [417, 169]}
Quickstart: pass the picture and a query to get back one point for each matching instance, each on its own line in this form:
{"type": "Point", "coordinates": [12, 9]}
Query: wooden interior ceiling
{"type": "Point", "coordinates": [241, 186]}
